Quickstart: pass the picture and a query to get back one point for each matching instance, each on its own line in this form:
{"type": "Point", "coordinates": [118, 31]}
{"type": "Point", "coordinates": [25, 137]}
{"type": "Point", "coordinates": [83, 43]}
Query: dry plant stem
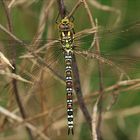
{"type": "Point", "coordinates": [115, 94]}
{"type": "Point", "coordinates": [14, 76]}
{"type": "Point", "coordinates": [108, 116]}
{"type": "Point", "coordinates": [94, 121]}
{"type": "Point", "coordinates": [120, 85]}
{"type": "Point", "coordinates": [62, 8]}
{"type": "Point", "coordinates": [102, 60]}
{"type": "Point", "coordinates": [109, 89]}
{"type": "Point", "coordinates": [97, 47]}
{"type": "Point", "coordinates": [39, 59]}
{"type": "Point", "coordinates": [77, 85]}
{"type": "Point", "coordinates": [18, 119]}
{"type": "Point", "coordinates": [106, 8]}
{"type": "Point", "coordinates": [14, 81]}
{"type": "Point", "coordinates": [42, 22]}
{"type": "Point", "coordinates": [42, 93]}
{"type": "Point", "coordinates": [84, 53]}
{"type": "Point", "coordinates": [90, 19]}
{"type": "Point", "coordinates": [85, 32]}
{"type": "Point", "coordinates": [44, 15]}
{"type": "Point", "coordinates": [135, 87]}
{"type": "Point", "coordinates": [75, 8]}
{"type": "Point", "coordinates": [96, 42]}
{"type": "Point", "coordinates": [11, 3]}
{"type": "Point", "coordinates": [11, 35]}
{"type": "Point", "coordinates": [86, 90]}
{"type": "Point", "coordinates": [123, 112]}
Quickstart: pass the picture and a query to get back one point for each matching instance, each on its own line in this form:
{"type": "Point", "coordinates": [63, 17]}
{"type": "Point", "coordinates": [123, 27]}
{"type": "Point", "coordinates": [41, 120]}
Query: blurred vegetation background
{"type": "Point", "coordinates": [119, 42]}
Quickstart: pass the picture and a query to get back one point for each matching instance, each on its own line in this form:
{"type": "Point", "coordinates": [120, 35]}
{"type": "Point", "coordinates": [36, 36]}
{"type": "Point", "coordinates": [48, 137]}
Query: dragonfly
{"type": "Point", "coordinates": [69, 45]}
{"type": "Point", "coordinates": [66, 29]}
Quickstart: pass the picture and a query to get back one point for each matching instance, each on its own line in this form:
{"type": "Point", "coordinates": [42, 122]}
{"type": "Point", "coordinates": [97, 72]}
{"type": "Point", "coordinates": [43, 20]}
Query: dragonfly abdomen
{"type": "Point", "coordinates": [69, 89]}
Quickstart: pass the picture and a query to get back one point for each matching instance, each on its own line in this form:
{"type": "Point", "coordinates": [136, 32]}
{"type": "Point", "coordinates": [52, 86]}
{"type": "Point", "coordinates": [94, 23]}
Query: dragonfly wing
{"type": "Point", "coordinates": [121, 63]}
{"type": "Point", "coordinates": [51, 58]}
{"type": "Point", "coordinates": [86, 37]}
{"type": "Point", "coordinates": [40, 42]}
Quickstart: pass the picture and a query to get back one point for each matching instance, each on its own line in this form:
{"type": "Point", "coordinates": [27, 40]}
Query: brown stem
{"type": "Point", "coordinates": [97, 48]}
{"type": "Point", "coordinates": [100, 108]}
{"type": "Point", "coordinates": [75, 8]}
{"type": "Point", "coordinates": [62, 9]}
{"type": "Point", "coordinates": [12, 51]}
{"type": "Point", "coordinates": [77, 85]}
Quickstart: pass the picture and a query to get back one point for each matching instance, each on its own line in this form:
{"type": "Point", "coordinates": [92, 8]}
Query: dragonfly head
{"type": "Point", "coordinates": [65, 24]}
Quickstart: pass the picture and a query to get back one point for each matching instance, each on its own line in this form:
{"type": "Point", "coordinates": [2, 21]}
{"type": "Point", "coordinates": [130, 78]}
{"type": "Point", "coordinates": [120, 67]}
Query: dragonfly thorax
{"type": "Point", "coordinates": [67, 43]}
{"type": "Point", "coordinates": [66, 34]}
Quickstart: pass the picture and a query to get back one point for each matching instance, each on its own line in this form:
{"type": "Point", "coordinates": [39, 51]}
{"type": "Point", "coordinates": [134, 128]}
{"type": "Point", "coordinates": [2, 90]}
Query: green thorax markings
{"type": "Point", "coordinates": [66, 34]}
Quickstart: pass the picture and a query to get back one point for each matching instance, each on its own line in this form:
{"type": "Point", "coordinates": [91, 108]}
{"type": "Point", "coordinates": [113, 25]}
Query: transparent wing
{"type": "Point", "coordinates": [121, 62]}
{"type": "Point", "coordinates": [49, 54]}
{"type": "Point", "coordinates": [104, 33]}
{"type": "Point", "coordinates": [119, 48]}
{"type": "Point", "coordinates": [84, 36]}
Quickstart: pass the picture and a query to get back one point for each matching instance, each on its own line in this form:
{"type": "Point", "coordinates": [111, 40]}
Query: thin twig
{"type": "Point", "coordinates": [94, 121]}
{"type": "Point", "coordinates": [39, 59]}
{"type": "Point", "coordinates": [106, 8]}
{"type": "Point", "coordinates": [86, 90]}
{"type": "Point", "coordinates": [62, 8]}
{"type": "Point", "coordinates": [11, 35]}
{"type": "Point", "coordinates": [77, 87]}
{"type": "Point", "coordinates": [97, 48]}
{"type": "Point", "coordinates": [42, 22]}
{"type": "Point", "coordinates": [123, 112]}
{"type": "Point", "coordinates": [98, 129]}
{"type": "Point", "coordinates": [14, 81]}
{"type": "Point", "coordinates": [11, 3]}
{"type": "Point", "coordinates": [122, 85]}
{"type": "Point", "coordinates": [14, 76]}
{"type": "Point", "coordinates": [75, 8]}
{"type": "Point", "coordinates": [18, 119]}
{"type": "Point", "coordinates": [102, 60]}
{"type": "Point", "coordinates": [91, 21]}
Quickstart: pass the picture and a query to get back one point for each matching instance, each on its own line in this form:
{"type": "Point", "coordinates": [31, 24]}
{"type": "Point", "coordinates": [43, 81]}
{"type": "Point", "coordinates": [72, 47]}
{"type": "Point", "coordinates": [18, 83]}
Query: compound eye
{"type": "Point", "coordinates": [61, 26]}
